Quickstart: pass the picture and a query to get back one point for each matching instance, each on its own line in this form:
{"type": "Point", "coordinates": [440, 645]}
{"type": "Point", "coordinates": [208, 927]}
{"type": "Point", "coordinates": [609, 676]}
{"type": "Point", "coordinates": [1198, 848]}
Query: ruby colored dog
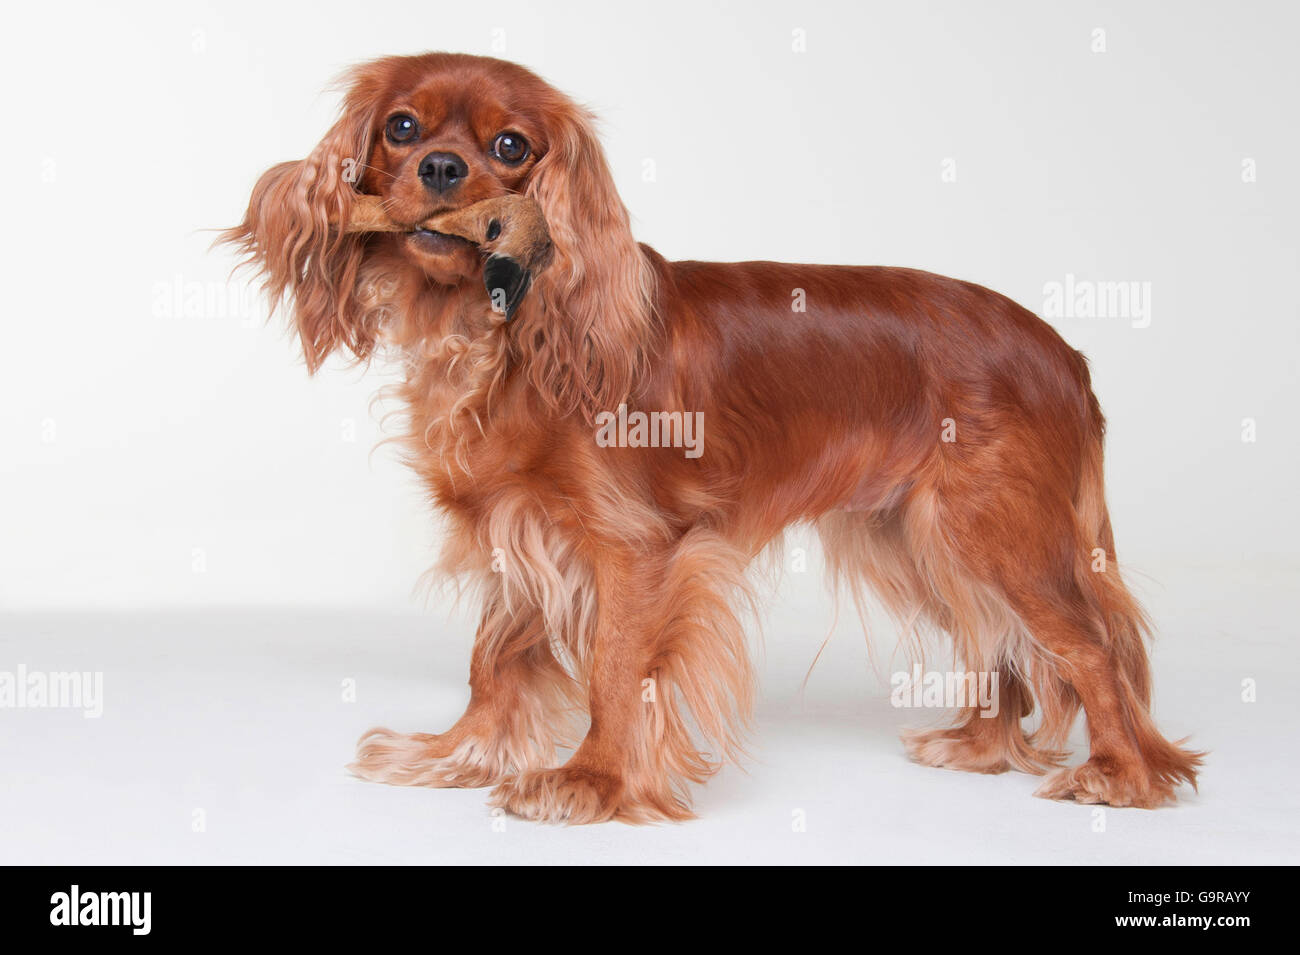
{"type": "Point", "coordinates": [944, 442]}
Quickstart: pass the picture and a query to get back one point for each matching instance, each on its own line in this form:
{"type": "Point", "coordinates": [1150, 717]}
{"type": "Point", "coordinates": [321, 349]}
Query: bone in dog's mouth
{"type": "Point", "coordinates": [430, 240]}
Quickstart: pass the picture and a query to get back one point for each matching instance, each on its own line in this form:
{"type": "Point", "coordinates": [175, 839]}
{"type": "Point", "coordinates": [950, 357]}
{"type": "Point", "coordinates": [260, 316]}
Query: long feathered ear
{"type": "Point", "coordinates": [585, 335]}
{"type": "Point", "coordinates": [306, 263]}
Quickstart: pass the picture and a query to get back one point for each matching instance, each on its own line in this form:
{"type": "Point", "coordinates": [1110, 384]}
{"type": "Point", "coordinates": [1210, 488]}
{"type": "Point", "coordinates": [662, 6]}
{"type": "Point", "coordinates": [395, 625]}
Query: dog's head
{"type": "Point", "coordinates": [434, 133]}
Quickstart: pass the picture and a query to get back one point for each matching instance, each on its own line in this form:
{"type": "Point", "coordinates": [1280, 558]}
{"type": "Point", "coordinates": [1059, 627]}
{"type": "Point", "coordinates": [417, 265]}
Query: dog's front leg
{"type": "Point", "coordinates": [593, 786]}
{"type": "Point", "coordinates": [519, 697]}
{"type": "Point", "coordinates": [667, 641]}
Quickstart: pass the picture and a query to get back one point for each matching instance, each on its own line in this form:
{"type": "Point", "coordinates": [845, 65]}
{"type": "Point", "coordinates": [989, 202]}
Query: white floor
{"type": "Point", "coordinates": [239, 714]}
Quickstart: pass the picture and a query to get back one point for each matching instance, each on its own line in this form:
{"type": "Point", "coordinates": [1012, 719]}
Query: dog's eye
{"type": "Point", "coordinates": [510, 148]}
{"type": "Point", "coordinates": [401, 128]}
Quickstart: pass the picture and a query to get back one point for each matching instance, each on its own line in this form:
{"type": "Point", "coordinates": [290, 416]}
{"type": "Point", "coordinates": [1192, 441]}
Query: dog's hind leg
{"type": "Point", "coordinates": [983, 741]}
{"type": "Point", "coordinates": [1037, 548]}
{"type": "Point", "coordinates": [898, 558]}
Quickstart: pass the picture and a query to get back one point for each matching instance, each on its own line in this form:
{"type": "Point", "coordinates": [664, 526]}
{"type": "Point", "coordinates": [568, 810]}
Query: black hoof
{"type": "Point", "coordinates": [506, 283]}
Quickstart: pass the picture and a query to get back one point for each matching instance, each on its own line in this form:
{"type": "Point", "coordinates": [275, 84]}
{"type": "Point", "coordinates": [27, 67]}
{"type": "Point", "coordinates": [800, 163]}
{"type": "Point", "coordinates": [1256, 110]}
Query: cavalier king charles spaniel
{"type": "Point", "coordinates": [944, 442]}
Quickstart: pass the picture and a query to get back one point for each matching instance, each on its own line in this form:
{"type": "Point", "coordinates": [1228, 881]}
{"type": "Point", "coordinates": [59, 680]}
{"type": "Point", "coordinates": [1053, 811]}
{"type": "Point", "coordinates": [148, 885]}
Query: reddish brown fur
{"type": "Point", "coordinates": [602, 568]}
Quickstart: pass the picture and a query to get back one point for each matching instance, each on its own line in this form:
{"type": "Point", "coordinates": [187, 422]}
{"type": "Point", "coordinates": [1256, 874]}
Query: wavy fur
{"type": "Point", "coordinates": [614, 579]}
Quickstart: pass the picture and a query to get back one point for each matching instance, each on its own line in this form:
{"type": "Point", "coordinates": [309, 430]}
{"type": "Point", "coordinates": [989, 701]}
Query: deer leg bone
{"type": "Point", "coordinates": [510, 231]}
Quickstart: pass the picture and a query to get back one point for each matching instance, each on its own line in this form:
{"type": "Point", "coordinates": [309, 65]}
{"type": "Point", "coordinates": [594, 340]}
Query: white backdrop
{"type": "Point", "coordinates": [163, 446]}
{"type": "Point", "coordinates": [233, 550]}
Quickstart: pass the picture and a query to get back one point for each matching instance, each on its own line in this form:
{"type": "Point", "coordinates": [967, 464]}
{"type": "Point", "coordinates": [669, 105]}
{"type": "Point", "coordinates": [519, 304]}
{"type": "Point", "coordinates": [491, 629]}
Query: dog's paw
{"type": "Point", "coordinates": [422, 759]}
{"type": "Point", "coordinates": [953, 749]}
{"type": "Point", "coordinates": [979, 750]}
{"type": "Point", "coordinates": [564, 795]}
{"type": "Point", "coordinates": [1107, 781]}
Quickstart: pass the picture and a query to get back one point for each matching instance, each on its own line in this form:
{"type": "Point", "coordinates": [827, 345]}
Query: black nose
{"type": "Point", "coordinates": [441, 172]}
